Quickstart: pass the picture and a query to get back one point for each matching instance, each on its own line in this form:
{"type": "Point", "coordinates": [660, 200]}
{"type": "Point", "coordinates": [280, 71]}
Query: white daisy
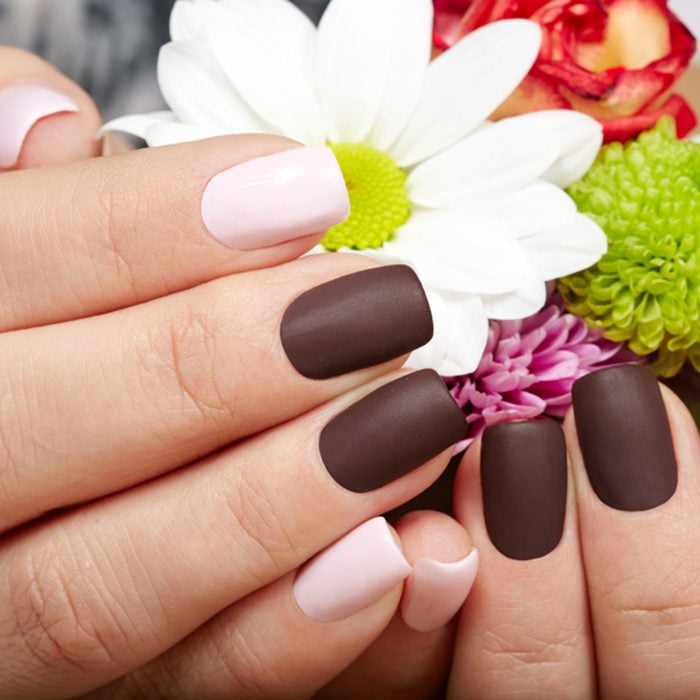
{"type": "Point", "coordinates": [474, 207]}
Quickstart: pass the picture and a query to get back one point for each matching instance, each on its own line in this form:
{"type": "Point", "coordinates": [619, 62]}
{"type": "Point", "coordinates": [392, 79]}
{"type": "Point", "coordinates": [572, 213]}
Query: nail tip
{"type": "Point", "coordinates": [21, 108]}
{"type": "Point", "coordinates": [625, 438]}
{"type": "Point", "coordinates": [355, 321]}
{"type": "Point", "coordinates": [442, 590]}
{"type": "Point", "coordinates": [524, 479]}
{"type": "Point", "coordinates": [350, 574]}
{"type": "Point", "coordinates": [304, 191]}
{"type": "Point", "coordinates": [390, 432]}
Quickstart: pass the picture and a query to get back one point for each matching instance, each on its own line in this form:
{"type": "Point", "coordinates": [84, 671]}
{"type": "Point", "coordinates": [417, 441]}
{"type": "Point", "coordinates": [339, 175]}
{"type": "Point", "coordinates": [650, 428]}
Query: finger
{"type": "Point", "coordinates": [266, 646]}
{"type": "Point", "coordinates": [96, 405]}
{"type": "Point", "coordinates": [113, 232]}
{"type": "Point", "coordinates": [112, 585]}
{"type": "Point", "coordinates": [640, 531]}
{"type": "Point", "coordinates": [412, 657]}
{"type": "Point", "coordinates": [45, 118]}
{"type": "Point", "coordinates": [524, 629]}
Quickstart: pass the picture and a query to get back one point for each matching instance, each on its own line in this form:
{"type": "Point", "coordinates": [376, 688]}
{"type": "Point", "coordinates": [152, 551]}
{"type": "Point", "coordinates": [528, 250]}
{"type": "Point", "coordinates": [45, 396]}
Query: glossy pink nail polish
{"type": "Point", "coordinates": [21, 108]}
{"type": "Point", "coordinates": [351, 574]}
{"type": "Point", "coordinates": [276, 198]}
{"type": "Point", "coordinates": [434, 592]}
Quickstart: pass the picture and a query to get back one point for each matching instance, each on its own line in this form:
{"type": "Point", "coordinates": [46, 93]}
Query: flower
{"type": "Point", "coordinates": [469, 204]}
{"type": "Point", "coordinates": [529, 367]}
{"type": "Point", "coordinates": [646, 289]}
{"type": "Point", "coordinates": [615, 60]}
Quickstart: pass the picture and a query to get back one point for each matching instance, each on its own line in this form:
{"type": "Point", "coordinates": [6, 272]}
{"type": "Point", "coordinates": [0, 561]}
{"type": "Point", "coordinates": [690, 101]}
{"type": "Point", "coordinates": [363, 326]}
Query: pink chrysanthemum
{"type": "Point", "coordinates": [529, 367]}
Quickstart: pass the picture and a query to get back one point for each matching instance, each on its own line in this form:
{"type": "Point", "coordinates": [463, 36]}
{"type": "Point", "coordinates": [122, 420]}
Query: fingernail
{"type": "Point", "coordinates": [356, 321]}
{"type": "Point", "coordinates": [276, 198]}
{"type": "Point", "coordinates": [20, 109]}
{"type": "Point", "coordinates": [523, 481]}
{"type": "Point", "coordinates": [625, 437]}
{"type": "Point", "coordinates": [435, 591]}
{"type": "Point", "coordinates": [351, 574]}
{"type": "Point", "coordinates": [391, 432]}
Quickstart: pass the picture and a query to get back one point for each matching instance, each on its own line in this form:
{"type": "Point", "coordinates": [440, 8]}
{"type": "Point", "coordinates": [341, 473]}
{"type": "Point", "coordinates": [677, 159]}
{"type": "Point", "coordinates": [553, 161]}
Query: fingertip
{"type": "Point", "coordinates": [445, 564]}
{"type": "Point", "coordinates": [46, 118]}
{"type": "Point", "coordinates": [467, 486]}
{"type": "Point", "coordinates": [65, 137]}
{"type": "Point", "coordinates": [433, 535]}
{"type": "Point", "coordinates": [683, 425]}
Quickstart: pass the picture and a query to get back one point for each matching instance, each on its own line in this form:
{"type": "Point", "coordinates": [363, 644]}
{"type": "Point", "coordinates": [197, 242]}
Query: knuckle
{"type": "Point", "coordinates": [667, 612]}
{"type": "Point", "coordinates": [115, 211]}
{"type": "Point", "coordinates": [194, 361]}
{"type": "Point", "coordinates": [262, 528]}
{"type": "Point", "coordinates": [55, 620]}
{"type": "Point", "coordinates": [180, 362]}
{"type": "Point", "coordinates": [248, 666]}
{"type": "Point", "coordinates": [525, 651]}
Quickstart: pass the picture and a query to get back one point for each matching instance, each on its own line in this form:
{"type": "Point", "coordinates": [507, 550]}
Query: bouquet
{"type": "Point", "coordinates": [526, 157]}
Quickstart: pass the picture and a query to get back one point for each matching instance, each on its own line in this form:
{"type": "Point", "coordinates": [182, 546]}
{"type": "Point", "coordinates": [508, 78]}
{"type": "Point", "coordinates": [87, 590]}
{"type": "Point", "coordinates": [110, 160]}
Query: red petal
{"type": "Point", "coordinates": [535, 93]}
{"type": "Point", "coordinates": [629, 93]}
{"type": "Point", "coordinates": [456, 18]}
{"type": "Point", "coordinates": [482, 12]}
{"type": "Point", "coordinates": [626, 128]}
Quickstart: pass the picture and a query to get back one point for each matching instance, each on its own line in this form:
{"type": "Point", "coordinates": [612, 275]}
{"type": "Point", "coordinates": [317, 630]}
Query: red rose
{"type": "Point", "coordinates": [616, 60]}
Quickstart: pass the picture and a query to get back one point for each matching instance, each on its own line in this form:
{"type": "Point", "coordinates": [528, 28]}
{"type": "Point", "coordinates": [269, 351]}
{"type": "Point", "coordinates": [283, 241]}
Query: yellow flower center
{"type": "Point", "coordinates": [379, 204]}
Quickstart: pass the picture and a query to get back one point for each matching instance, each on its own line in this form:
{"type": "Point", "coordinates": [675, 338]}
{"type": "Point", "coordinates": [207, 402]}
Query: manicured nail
{"type": "Point", "coordinates": [435, 591]}
{"type": "Point", "coordinates": [351, 574]}
{"type": "Point", "coordinates": [625, 437]}
{"type": "Point", "coordinates": [276, 198]}
{"type": "Point", "coordinates": [356, 321]}
{"type": "Point", "coordinates": [20, 109]}
{"type": "Point", "coordinates": [391, 432]}
{"type": "Point", "coordinates": [523, 480]}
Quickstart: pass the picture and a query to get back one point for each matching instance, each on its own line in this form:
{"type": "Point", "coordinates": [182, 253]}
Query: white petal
{"type": "Point", "coordinates": [275, 87]}
{"type": "Point", "coordinates": [278, 19]}
{"type": "Point", "coordinates": [579, 138]}
{"type": "Point", "coordinates": [449, 256]}
{"type": "Point", "coordinates": [525, 301]}
{"type": "Point", "coordinates": [199, 93]}
{"type": "Point", "coordinates": [371, 59]}
{"type": "Point", "coordinates": [567, 249]}
{"type": "Point", "coordinates": [696, 139]}
{"type": "Point", "coordinates": [164, 134]}
{"type": "Point", "coordinates": [491, 162]}
{"type": "Point", "coordinates": [464, 85]}
{"type": "Point", "coordinates": [430, 355]}
{"type": "Point", "coordinates": [461, 331]}
{"type": "Point", "coordinates": [531, 210]}
{"type": "Point", "coordinates": [283, 22]}
{"type": "Point", "coordinates": [137, 124]}
{"type": "Point", "coordinates": [187, 17]}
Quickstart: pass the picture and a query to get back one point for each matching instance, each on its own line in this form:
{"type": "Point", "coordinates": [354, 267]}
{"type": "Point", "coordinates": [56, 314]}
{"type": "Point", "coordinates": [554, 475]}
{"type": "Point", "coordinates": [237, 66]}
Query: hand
{"type": "Point", "coordinates": [586, 589]}
{"type": "Point", "coordinates": [154, 317]}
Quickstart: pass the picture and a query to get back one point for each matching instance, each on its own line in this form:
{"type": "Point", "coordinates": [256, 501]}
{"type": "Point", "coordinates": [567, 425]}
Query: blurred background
{"type": "Point", "coordinates": [111, 46]}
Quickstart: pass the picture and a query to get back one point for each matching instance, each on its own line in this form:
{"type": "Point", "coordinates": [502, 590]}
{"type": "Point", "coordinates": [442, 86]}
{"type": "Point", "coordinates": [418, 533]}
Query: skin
{"type": "Point", "coordinates": [176, 583]}
{"type": "Point", "coordinates": [132, 345]}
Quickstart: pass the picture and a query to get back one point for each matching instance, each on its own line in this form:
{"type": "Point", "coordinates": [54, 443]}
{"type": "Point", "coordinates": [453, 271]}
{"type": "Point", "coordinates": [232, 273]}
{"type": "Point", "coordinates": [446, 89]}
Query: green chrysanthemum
{"type": "Point", "coordinates": [645, 290]}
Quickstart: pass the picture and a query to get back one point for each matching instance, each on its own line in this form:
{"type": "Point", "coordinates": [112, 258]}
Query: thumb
{"type": "Point", "coordinates": [45, 118]}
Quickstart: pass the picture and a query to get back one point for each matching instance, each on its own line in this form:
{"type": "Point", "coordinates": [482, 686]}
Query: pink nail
{"type": "Point", "coordinates": [276, 198]}
{"type": "Point", "coordinates": [20, 109]}
{"type": "Point", "coordinates": [351, 574]}
{"type": "Point", "coordinates": [434, 591]}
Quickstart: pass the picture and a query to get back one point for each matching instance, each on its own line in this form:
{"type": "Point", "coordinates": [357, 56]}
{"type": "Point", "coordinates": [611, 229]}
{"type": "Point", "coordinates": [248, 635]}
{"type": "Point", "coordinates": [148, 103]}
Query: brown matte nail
{"type": "Point", "coordinates": [523, 481]}
{"type": "Point", "coordinates": [625, 437]}
{"type": "Point", "coordinates": [356, 321]}
{"type": "Point", "coordinates": [391, 432]}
